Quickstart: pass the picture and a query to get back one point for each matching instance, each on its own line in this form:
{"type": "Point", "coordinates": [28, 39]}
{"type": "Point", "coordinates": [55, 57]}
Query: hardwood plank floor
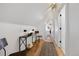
{"type": "Point", "coordinates": [48, 50]}
{"type": "Point", "coordinates": [58, 50]}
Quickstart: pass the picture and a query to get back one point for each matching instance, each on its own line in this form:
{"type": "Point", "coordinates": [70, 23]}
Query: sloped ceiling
{"type": "Point", "coordinates": [22, 13]}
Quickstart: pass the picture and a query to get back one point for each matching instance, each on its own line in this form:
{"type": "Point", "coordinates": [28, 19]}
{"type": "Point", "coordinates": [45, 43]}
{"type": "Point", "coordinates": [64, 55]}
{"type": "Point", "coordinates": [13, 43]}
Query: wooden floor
{"type": "Point", "coordinates": [59, 51]}
{"type": "Point", "coordinates": [48, 50]}
{"type": "Point", "coordinates": [43, 48]}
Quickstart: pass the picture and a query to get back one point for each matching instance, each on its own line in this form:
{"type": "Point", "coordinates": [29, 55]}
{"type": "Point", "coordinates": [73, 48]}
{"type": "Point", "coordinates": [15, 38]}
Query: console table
{"type": "Point", "coordinates": [34, 51]}
{"type": "Point", "coordinates": [23, 40]}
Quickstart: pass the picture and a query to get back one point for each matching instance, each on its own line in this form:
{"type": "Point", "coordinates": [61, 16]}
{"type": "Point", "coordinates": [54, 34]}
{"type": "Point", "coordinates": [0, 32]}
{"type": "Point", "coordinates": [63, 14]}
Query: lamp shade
{"type": "Point", "coordinates": [3, 43]}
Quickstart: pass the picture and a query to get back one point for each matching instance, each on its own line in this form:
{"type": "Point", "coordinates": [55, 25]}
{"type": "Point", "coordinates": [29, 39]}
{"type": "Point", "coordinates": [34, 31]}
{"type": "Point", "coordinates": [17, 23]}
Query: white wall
{"type": "Point", "coordinates": [11, 32]}
{"type": "Point", "coordinates": [72, 42]}
{"type": "Point", "coordinates": [22, 13]}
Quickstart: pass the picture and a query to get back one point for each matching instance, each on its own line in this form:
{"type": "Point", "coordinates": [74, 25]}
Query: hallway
{"type": "Point", "coordinates": [39, 17]}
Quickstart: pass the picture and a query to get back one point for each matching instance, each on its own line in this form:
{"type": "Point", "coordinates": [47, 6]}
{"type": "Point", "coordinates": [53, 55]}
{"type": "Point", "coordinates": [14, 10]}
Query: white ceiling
{"type": "Point", "coordinates": [22, 13]}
